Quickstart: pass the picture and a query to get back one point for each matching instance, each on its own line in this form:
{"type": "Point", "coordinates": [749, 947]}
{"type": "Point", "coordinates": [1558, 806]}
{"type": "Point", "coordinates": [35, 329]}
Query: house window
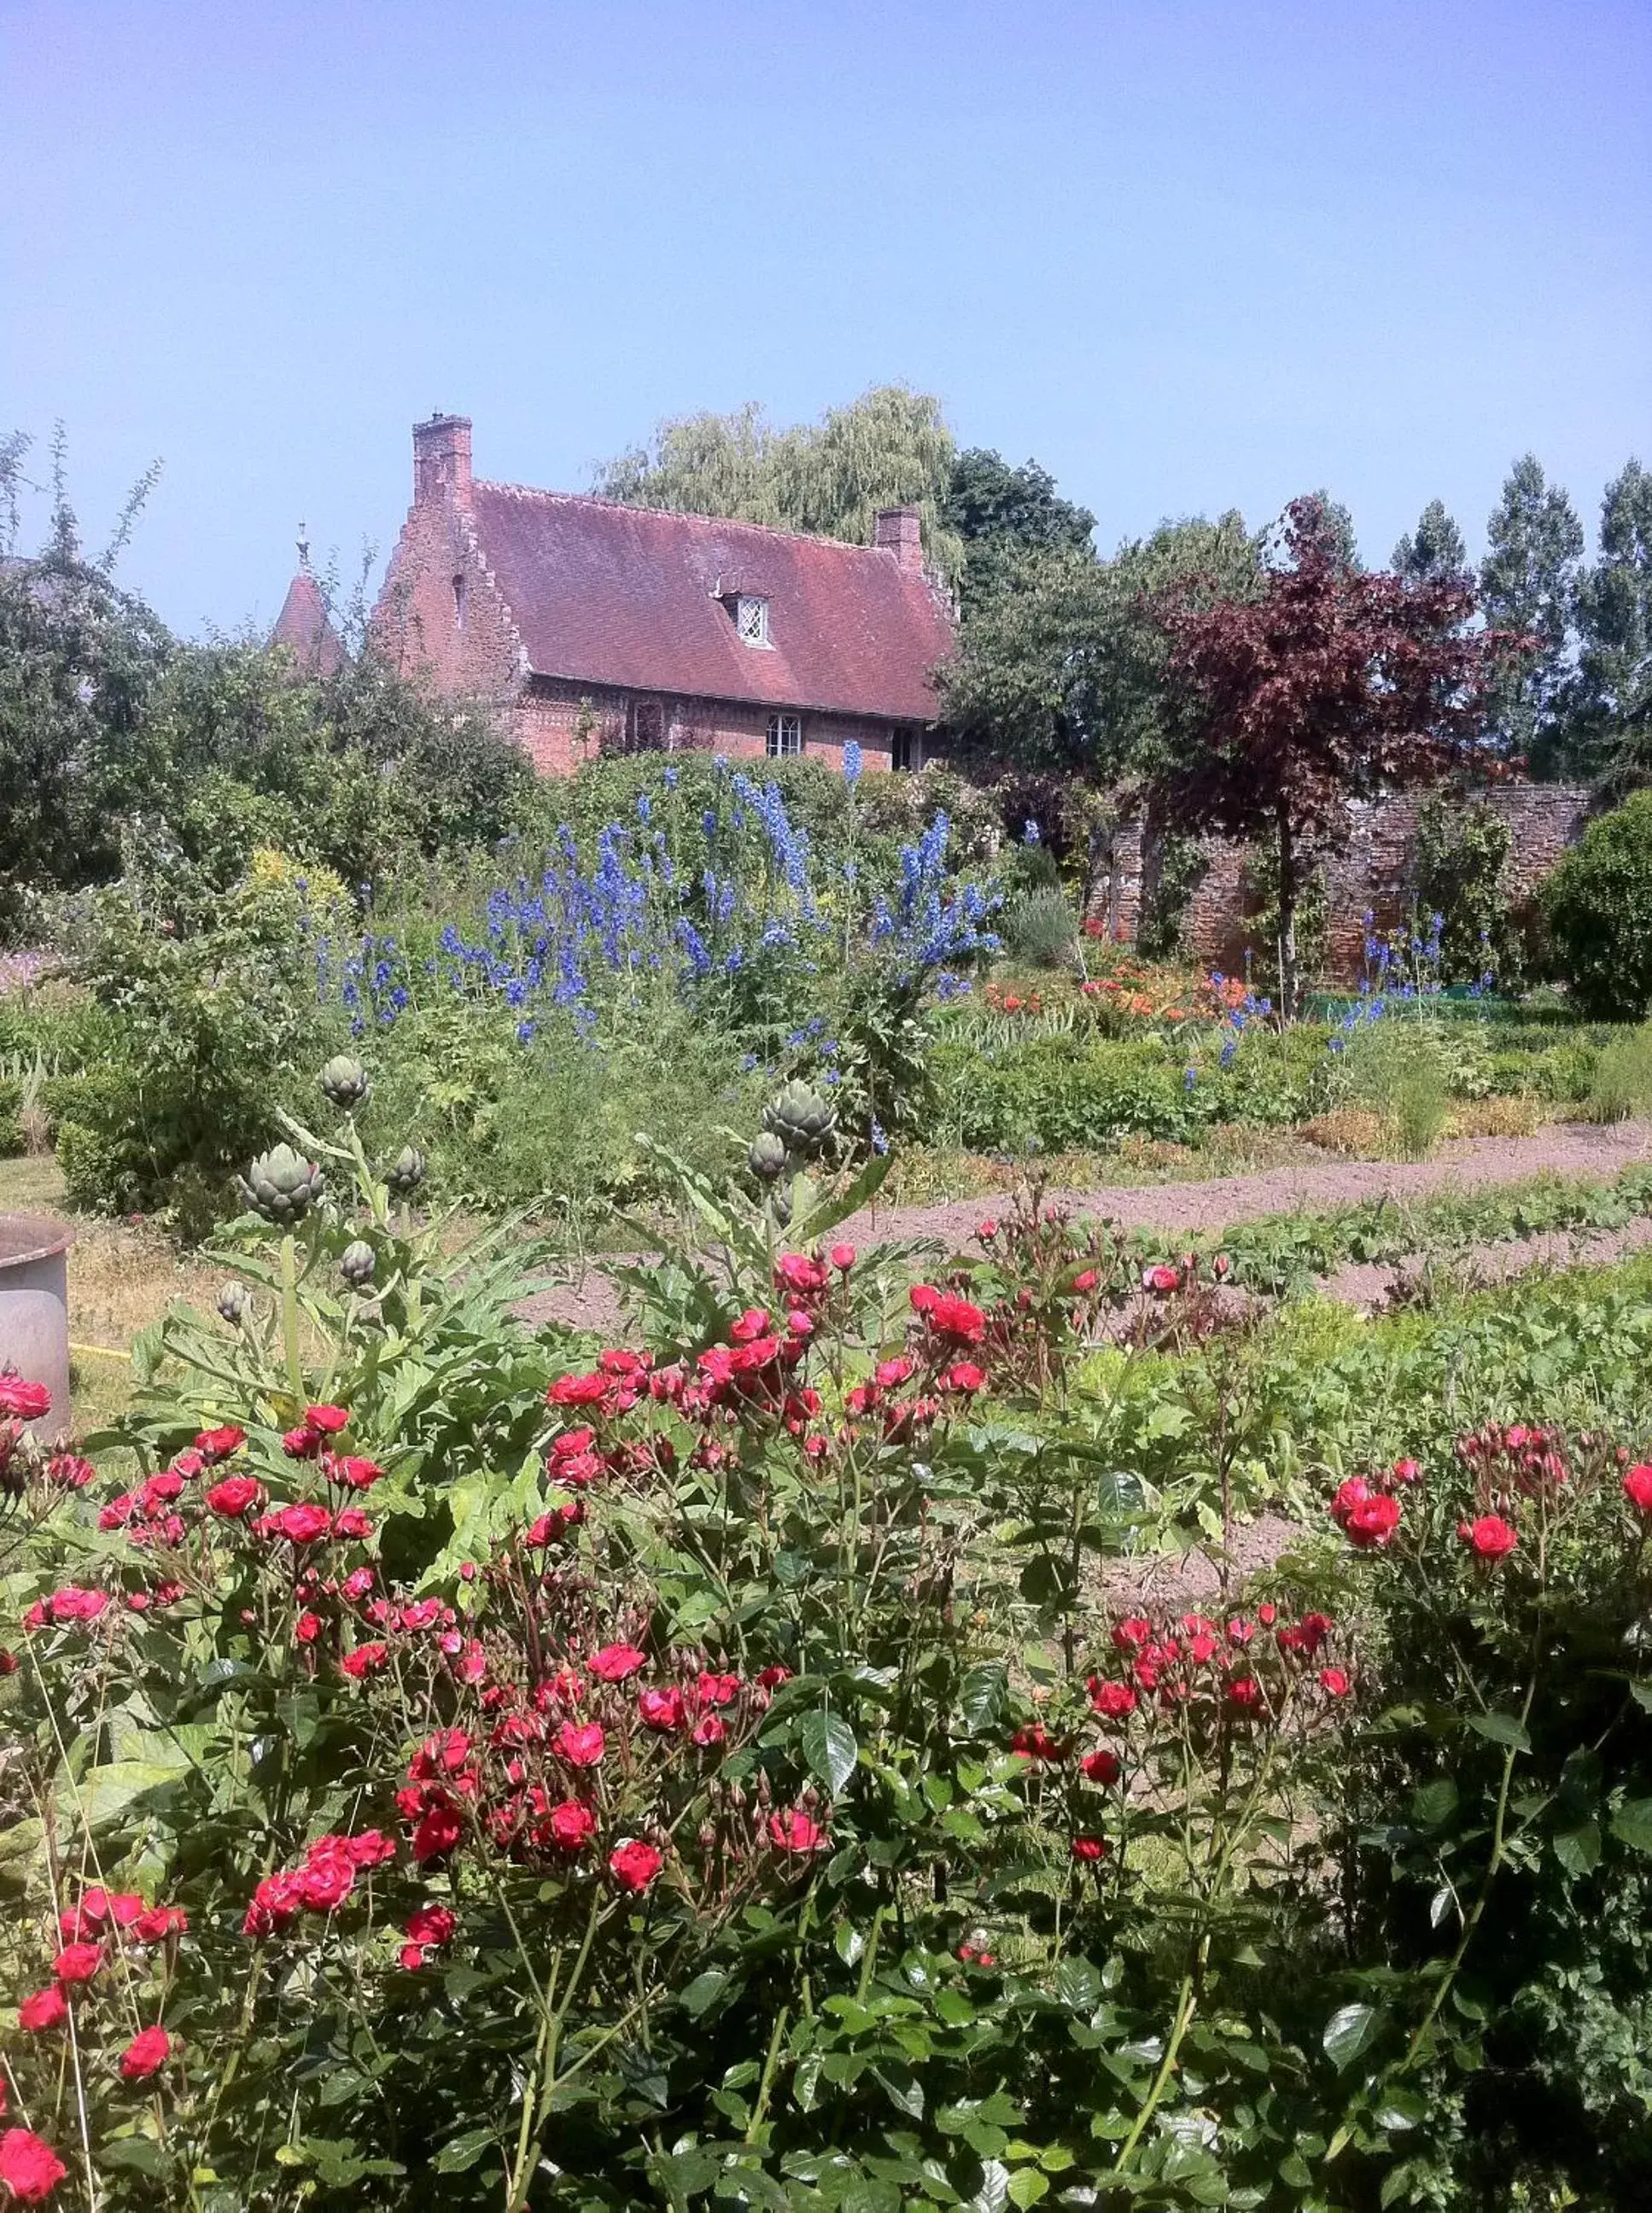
{"type": "Point", "coordinates": [459, 602]}
{"type": "Point", "coordinates": [647, 731]}
{"type": "Point", "coordinates": [785, 737]}
{"type": "Point", "coordinates": [752, 620]}
{"type": "Point", "coordinates": [904, 748]}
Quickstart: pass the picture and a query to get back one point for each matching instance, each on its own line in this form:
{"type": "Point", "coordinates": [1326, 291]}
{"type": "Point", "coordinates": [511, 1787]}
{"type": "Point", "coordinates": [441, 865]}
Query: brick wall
{"type": "Point", "coordinates": [1374, 874]}
{"type": "Point", "coordinates": [561, 723]}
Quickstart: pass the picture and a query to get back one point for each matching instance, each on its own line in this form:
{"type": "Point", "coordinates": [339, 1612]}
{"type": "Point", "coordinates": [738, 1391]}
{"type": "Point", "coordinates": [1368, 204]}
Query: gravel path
{"type": "Point", "coordinates": [1562, 1149]}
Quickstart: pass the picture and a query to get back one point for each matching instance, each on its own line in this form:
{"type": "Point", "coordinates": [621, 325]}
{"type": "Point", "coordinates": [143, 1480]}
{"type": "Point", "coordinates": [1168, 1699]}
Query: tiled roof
{"type": "Point", "coordinates": [628, 596]}
{"type": "Point", "coordinates": [304, 626]}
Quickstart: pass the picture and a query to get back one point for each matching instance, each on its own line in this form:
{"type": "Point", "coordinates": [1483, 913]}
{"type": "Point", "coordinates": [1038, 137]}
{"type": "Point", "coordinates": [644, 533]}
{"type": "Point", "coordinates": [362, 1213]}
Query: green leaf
{"type": "Point", "coordinates": [1348, 2031]}
{"type": "Point", "coordinates": [1077, 1985]}
{"type": "Point", "coordinates": [994, 2194]}
{"type": "Point", "coordinates": [981, 1696]}
{"type": "Point", "coordinates": [1502, 1728]}
{"type": "Point", "coordinates": [1578, 1849]}
{"type": "Point", "coordinates": [1433, 1803]}
{"type": "Point", "coordinates": [1027, 2188]}
{"type": "Point", "coordinates": [460, 2152]}
{"type": "Point", "coordinates": [703, 1991]}
{"type": "Point", "coordinates": [1632, 1824]}
{"type": "Point", "coordinates": [829, 1748]}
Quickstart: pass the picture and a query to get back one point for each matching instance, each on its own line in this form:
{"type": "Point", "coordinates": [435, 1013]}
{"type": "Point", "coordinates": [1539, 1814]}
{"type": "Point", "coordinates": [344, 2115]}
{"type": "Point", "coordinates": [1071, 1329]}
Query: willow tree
{"type": "Point", "coordinates": [890, 448]}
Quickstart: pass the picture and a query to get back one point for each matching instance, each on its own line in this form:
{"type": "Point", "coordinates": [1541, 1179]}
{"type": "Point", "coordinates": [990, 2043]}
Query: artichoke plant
{"type": "Point", "coordinates": [801, 1119]}
{"type": "Point", "coordinates": [232, 1302]}
{"type": "Point", "coordinates": [406, 1172]}
{"type": "Point", "coordinates": [356, 1264]}
{"type": "Point", "coordinates": [282, 1185]}
{"type": "Point", "coordinates": [346, 1083]}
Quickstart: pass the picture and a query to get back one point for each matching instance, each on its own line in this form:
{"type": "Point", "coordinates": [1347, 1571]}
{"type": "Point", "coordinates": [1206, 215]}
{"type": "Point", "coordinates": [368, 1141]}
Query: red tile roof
{"type": "Point", "coordinates": [603, 593]}
{"type": "Point", "coordinates": [306, 628]}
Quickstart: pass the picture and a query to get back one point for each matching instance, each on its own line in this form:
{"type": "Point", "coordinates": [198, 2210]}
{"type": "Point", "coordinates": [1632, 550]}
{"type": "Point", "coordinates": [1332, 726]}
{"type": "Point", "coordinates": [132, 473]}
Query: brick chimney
{"type": "Point", "coordinates": [441, 460]}
{"type": "Point", "coordinates": [900, 531]}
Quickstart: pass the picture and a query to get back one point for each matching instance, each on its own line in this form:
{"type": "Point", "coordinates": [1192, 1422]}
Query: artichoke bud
{"type": "Point", "coordinates": [406, 1172]}
{"type": "Point", "coordinates": [282, 1185]}
{"type": "Point", "coordinates": [346, 1083]}
{"type": "Point", "coordinates": [232, 1302]}
{"type": "Point", "coordinates": [801, 1119]}
{"type": "Point", "coordinates": [767, 1158]}
{"type": "Point", "coordinates": [356, 1264]}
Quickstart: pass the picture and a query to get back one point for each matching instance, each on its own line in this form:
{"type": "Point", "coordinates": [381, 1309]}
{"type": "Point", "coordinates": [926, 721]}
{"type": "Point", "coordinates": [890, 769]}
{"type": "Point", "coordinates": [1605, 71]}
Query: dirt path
{"type": "Point", "coordinates": [1562, 1149]}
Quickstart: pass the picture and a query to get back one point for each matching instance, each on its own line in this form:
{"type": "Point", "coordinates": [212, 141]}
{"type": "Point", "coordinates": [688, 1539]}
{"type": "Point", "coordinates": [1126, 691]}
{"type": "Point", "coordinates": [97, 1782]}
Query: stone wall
{"type": "Point", "coordinates": [1373, 875]}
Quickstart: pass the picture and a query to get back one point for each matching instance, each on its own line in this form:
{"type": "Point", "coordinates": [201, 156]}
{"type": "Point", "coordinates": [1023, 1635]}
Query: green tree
{"type": "Point", "coordinates": [1528, 586]}
{"type": "Point", "coordinates": [79, 659]}
{"type": "Point", "coordinates": [1338, 522]}
{"type": "Point", "coordinates": [1434, 549]}
{"type": "Point", "coordinates": [1611, 737]}
{"type": "Point", "coordinates": [1062, 667]}
{"type": "Point", "coordinates": [1002, 512]}
{"type": "Point", "coordinates": [890, 448]}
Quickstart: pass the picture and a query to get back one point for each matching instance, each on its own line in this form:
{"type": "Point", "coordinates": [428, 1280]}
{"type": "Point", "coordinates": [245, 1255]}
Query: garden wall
{"type": "Point", "coordinates": [1373, 875]}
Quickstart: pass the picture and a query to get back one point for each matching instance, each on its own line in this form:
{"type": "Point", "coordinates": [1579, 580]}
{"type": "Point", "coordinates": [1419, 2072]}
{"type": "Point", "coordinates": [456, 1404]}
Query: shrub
{"type": "Point", "coordinates": [1462, 848]}
{"type": "Point", "coordinates": [1040, 930]}
{"type": "Point", "coordinates": [1397, 1068]}
{"type": "Point", "coordinates": [1622, 1083]}
{"type": "Point", "coordinates": [1599, 906]}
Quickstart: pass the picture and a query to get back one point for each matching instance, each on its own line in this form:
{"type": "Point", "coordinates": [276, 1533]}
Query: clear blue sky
{"type": "Point", "coordinates": [1189, 255]}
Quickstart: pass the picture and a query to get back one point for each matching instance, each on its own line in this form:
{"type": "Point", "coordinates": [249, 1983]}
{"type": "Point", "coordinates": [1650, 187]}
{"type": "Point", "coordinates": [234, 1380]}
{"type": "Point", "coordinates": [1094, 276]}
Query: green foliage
{"type": "Point", "coordinates": [1061, 664]}
{"type": "Point", "coordinates": [1622, 1083]}
{"type": "Point", "coordinates": [1528, 585]}
{"type": "Point", "coordinates": [1462, 848]}
{"type": "Point", "coordinates": [890, 448]}
{"type": "Point", "coordinates": [1598, 903]}
{"type": "Point", "coordinates": [1609, 735]}
{"type": "Point", "coordinates": [1001, 512]}
{"type": "Point", "coordinates": [1173, 868]}
{"type": "Point", "coordinates": [1040, 929]}
{"type": "Point", "coordinates": [1397, 1069]}
{"type": "Point", "coordinates": [212, 1018]}
{"type": "Point", "coordinates": [1436, 547]}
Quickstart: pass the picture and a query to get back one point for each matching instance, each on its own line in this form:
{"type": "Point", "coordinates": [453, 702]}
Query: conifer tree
{"type": "Point", "coordinates": [1434, 549]}
{"type": "Point", "coordinates": [1528, 585]}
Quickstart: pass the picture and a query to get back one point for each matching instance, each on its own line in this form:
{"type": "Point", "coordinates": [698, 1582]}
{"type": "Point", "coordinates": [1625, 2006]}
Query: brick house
{"type": "Point", "coordinates": [594, 627]}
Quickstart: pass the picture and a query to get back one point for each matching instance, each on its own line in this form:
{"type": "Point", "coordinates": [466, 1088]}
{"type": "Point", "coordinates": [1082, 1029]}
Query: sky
{"type": "Point", "coordinates": [1189, 256]}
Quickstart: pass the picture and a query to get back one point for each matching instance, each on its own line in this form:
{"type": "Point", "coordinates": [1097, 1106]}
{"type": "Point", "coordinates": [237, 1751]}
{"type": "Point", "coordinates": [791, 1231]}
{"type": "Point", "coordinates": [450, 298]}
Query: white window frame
{"type": "Point", "coordinates": [785, 738]}
{"type": "Point", "coordinates": [751, 620]}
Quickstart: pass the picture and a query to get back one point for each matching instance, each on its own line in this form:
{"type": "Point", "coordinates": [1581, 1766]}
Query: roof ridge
{"type": "Point", "coordinates": [682, 514]}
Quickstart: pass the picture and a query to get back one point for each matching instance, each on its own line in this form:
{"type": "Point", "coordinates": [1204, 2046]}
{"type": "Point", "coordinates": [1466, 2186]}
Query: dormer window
{"type": "Point", "coordinates": [751, 620]}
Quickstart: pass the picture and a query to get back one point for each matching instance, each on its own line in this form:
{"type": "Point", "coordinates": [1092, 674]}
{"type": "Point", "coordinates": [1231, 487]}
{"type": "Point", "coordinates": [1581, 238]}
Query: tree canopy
{"type": "Point", "coordinates": [1434, 549]}
{"type": "Point", "coordinates": [890, 448]}
{"type": "Point", "coordinates": [1329, 683]}
{"type": "Point", "coordinates": [1003, 512]}
{"type": "Point", "coordinates": [1610, 732]}
{"type": "Point", "coordinates": [1528, 586]}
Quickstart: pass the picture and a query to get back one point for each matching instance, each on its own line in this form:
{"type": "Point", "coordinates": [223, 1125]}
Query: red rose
{"type": "Point", "coordinates": [429, 1925]}
{"type": "Point", "coordinates": [964, 1375]}
{"type": "Point", "coordinates": [1034, 1741]}
{"type": "Point", "coordinates": [661, 1710]}
{"type": "Point", "coordinates": [1089, 1849]}
{"type": "Point", "coordinates": [78, 1963]}
{"type": "Point", "coordinates": [358, 1474]}
{"type": "Point", "coordinates": [1372, 1522]}
{"type": "Point", "coordinates": [148, 2051]}
{"type": "Point", "coordinates": [328, 1419]}
{"type": "Point", "coordinates": [615, 1661]}
{"type": "Point", "coordinates": [1244, 1692]}
{"type": "Point", "coordinates": [303, 1523]}
{"type": "Point", "coordinates": [323, 1884]}
{"type": "Point", "coordinates": [843, 1256]}
{"type": "Point", "coordinates": [308, 1627]}
{"type": "Point", "coordinates": [709, 1731]}
{"type": "Point", "coordinates": [73, 1604]}
{"type": "Point", "coordinates": [793, 1830]}
{"type": "Point", "coordinates": [352, 1522]}
{"type": "Point", "coordinates": [365, 1659]}
{"type": "Point", "coordinates": [634, 1864]}
{"type": "Point", "coordinates": [438, 1832]}
{"type": "Point", "coordinates": [302, 1443]}
{"type": "Point", "coordinates": [44, 2010]}
{"type": "Point", "coordinates": [1637, 1488]}
{"type": "Point", "coordinates": [578, 1390]}
{"type": "Point", "coordinates": [572, 1825]}
{"type": "Point", "coordinates": [1162, 1278]}
{"type": "Point", "coordinates": [1407, 1471]}
{"type": "Point", "coordinates": [1491, 1536]}
{"type": "Point", "coordinates": [155, 1925]}
{"type": "Point", "coordinates": [713, 1689]}
{"type": "Point", "coordinates": [1333, 1682]}
{"type": "Point", "coordinates": [218, 1444]}
{"type": "Point", "coordinates": [29, 2167]}
{"type": "Point", "coordinates": [1100, 1766]}
{"type": "Point", "coordinates": [582, 1745]}
{"type": "Point", "coordinates": [237, 1495]}
{"type": "Point", "coordinates": [25, 1402]}
{"type": "Point", "coordinates": [69, 1471]}
{"type": "Point", "coordinates": [1112, 1701]}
